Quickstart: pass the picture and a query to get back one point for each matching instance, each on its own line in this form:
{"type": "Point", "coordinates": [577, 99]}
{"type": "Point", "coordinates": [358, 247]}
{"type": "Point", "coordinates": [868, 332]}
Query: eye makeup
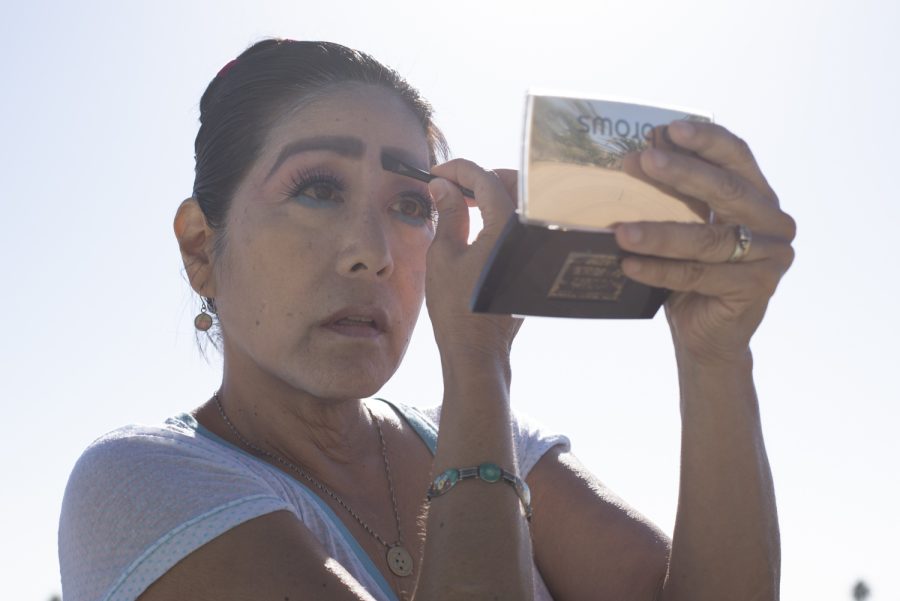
{"type": "Point", "coordinates": [300, 182]}
{"type": "Point", "coordinates": [319, 187]}
{"type": "Point", "coordinates": [395, 165]}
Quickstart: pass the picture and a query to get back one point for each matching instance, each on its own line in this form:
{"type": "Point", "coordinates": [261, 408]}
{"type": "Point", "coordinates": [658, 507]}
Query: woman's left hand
{"type": "Point", "coordinates": [716, 304]}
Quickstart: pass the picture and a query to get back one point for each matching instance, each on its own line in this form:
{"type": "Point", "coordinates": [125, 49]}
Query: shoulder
{"type": "Point", "coordinates": [141, 458]}
{"type": "Point", "coordinates": [141, 497]}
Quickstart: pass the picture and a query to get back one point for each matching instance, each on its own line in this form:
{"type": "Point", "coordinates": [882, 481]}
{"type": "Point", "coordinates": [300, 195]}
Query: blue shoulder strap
{"type": "Point", "coordinates": [417, 420]}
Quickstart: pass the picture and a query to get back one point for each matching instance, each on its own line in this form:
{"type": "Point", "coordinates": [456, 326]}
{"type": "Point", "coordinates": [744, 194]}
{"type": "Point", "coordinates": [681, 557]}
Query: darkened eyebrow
{"type": "Point", "coordinates": [347, 146]}
{"type": "Point", "coordinates": [342, 145]}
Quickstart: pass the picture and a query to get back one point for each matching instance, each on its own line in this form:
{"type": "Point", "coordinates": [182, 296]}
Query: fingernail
{"type": "Point", "coordinates": [633, 233]}
{"type": "Point", "coordinates": [439, 189]}
{"type": "Point", "coordinates": [683, 129]}
{"type": "Point", "coordinates": [657, 157]}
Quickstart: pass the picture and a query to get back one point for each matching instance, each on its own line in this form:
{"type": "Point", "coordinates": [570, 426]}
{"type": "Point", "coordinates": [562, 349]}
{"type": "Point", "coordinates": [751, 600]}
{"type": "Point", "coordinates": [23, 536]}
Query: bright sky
{"type": "Point", "coordinates": [98, 112]}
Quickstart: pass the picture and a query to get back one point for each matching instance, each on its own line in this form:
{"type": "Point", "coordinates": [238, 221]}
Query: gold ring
{"type": "Point", "coordinates": [742, 246]}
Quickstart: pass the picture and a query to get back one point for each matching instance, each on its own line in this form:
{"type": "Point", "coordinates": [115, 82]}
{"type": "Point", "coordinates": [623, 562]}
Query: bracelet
{"type": "Point", "coordinates": [489, 472]}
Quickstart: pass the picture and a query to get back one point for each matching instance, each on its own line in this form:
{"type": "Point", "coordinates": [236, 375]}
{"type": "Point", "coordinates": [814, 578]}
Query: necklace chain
{"type": "Point", "coordinates": [307, 476]}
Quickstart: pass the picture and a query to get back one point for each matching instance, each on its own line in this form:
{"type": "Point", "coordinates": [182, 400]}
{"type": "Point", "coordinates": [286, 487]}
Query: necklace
{"type": "Point", "coordinates": [398, 558]}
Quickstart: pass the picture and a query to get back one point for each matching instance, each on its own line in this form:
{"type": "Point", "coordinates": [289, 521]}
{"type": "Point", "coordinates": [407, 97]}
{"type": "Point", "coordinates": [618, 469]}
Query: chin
{"type": "Point", "coordinates": [351, 383]}
{"type": "Point", "coordinates": [344, 392]}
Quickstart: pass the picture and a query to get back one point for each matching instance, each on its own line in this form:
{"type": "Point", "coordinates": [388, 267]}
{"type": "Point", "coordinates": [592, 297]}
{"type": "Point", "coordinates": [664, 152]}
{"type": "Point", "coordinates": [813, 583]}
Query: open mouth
{"type": "Point", "coordinates": [358, 322]}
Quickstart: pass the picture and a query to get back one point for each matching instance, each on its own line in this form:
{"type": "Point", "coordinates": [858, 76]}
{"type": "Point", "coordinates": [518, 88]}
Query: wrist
{"type": "Point", "coordinates": [476, 368]}
{"type": "Point", "coordinates": [712, 387]}
{"type": "Point", "coordinates": [720, 361]}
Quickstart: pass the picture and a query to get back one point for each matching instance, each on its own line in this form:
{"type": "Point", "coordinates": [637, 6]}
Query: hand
{"type": "Point", "coordinates": [454, 265]}
{"type": "Point", "coordinates": [716, 305]}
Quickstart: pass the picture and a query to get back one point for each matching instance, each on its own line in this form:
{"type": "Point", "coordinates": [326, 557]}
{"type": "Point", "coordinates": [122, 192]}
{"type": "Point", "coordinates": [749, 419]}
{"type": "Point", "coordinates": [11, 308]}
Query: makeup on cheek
{"type": "Point", "coordinates": [397, 166]}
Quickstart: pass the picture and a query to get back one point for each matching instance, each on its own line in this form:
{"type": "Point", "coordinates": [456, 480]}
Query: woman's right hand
{"type": "Point", "coordinates": [454, 265]}
{"type": "Point", "coordinates": [486, 550]}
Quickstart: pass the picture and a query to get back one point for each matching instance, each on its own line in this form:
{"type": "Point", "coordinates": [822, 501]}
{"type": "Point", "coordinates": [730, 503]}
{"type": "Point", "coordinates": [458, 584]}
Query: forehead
{"type": "Point", "coordinates": [374, 114]}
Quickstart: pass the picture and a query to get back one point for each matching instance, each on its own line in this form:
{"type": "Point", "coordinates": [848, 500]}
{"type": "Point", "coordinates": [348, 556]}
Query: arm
{"type": "Point", "coordinates": [589, 544]}
{"type": "Point", "coordinates": [477, 544]}
{"type": "Point", "coordinates": [726, 541]}
{"type": "Point", "coordinates": [270, 557]}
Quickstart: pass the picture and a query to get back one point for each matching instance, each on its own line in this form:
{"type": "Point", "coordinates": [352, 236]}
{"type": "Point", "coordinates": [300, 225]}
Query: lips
{"type": "Point", "coordinates": [358, 321]}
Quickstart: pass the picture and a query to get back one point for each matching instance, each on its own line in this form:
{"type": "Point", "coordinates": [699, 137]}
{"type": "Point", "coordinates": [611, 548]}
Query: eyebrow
{"type": "Point", "coordinates": [346, 146]}
{"type": "Point", "coordinates": [342, 145]}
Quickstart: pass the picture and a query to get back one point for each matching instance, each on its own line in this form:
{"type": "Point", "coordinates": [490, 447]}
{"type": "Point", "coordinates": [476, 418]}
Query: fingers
{"type": "Point", "coordinates": [510, 180]}
{"type": "Point", "coordinates": [453, 213]}
{"type": "Point", "coordinates": [491, 196]}
{"type": "Point", "coordinates": [717, 145]}
{"type": "Point", "coordinates": [712, 243]}
{"type": "Point", "coordinates": [733, 198]}
{"type": "Point", "coordinates": [694, 257]}
{"type": "Point", "coordinates": [727, 281]}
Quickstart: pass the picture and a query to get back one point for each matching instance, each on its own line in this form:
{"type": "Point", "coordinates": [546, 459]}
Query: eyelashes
{"type": "Point", "coordinates": [320, 187]}
{"type": "Point", "coordinates": [317, 180]}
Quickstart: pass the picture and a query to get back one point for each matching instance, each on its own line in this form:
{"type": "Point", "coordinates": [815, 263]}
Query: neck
{"type": "Point", "coordinates": [326, 437]}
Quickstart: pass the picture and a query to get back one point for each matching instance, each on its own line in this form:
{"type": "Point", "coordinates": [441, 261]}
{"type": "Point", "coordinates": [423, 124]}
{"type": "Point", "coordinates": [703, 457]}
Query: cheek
{"type": "Point", "coordinates": [264, 273]}
{"type": "Point", "coordinates": [415, 265]}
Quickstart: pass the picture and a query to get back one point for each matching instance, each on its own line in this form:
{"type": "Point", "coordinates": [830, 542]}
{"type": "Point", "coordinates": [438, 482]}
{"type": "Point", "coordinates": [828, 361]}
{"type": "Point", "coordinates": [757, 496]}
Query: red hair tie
{"type": "Point", "coordinates": [226, 68]}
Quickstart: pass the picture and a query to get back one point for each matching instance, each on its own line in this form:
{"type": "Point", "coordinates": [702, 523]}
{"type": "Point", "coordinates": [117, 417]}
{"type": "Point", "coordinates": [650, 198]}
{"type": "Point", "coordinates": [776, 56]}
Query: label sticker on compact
{"type": "Point", "coordinates": [588, 277]}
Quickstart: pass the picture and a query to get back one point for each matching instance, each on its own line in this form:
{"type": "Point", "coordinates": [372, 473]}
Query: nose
{"type": "Point", "coordinates": [366, 248]}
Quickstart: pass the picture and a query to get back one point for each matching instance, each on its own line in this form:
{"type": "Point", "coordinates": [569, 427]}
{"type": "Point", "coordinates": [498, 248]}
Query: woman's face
{"type": "Point", "coordinates": [322, 274]}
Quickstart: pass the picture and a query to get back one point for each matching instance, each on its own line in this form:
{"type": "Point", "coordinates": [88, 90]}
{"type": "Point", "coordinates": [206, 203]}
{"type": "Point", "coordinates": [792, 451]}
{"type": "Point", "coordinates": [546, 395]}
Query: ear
{"type": "Point", "coordinates": [195, 239]}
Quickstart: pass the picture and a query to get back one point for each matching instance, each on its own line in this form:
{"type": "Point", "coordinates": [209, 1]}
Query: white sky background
{"type": "Point", "coordinates": [98, 112]}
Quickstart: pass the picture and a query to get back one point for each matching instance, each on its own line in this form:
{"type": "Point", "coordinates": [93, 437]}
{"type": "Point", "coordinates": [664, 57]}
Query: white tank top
{"type": "Point", "coordinates": [142, 498]}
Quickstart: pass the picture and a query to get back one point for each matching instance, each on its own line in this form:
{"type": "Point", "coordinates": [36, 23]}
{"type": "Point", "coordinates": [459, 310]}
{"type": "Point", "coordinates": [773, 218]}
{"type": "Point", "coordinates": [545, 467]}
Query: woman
{"type": "Point", "coordinates": [315, 261]}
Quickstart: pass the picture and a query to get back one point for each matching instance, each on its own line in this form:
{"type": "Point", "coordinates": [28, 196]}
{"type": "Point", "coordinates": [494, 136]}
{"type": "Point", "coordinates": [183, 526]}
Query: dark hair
{"type": "Point", "coordinates": [249, 95]}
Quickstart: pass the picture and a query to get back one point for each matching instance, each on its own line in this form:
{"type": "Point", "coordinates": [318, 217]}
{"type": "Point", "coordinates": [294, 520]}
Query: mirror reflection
{"type": "Point", "coordinates": [580, 168]}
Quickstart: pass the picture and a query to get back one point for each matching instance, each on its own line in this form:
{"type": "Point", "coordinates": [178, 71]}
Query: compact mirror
{"type": "Point", "coordinates": [580, 176]}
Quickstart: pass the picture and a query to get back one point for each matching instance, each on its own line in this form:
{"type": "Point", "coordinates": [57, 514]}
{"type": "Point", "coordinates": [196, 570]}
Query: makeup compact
{"type": "Point", "coordinates": [580, 177]}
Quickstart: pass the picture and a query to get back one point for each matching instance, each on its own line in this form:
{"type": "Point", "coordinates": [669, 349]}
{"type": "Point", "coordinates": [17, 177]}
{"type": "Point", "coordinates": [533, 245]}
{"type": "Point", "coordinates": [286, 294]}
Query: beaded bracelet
{"type": "Point", "coordinates": [489, 472]}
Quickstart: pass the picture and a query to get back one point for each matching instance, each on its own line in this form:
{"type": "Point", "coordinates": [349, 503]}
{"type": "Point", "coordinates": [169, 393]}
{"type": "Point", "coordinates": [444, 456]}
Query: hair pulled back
{"type": "Point", "coordinates": [248, 96]}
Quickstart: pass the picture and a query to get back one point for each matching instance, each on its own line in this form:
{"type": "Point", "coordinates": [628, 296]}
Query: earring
{"type": "Point", "coordinates": [204, 321]}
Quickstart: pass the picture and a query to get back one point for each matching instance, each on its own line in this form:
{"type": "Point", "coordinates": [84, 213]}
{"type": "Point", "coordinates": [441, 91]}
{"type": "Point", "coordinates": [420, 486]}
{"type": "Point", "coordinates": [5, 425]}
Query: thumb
{"type": "Point", "coordinates": [453, 213]}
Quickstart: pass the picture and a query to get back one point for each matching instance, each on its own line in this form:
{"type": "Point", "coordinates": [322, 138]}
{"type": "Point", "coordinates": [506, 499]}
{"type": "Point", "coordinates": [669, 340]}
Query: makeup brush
{"type": "Point", "coordinates": [397, 166]}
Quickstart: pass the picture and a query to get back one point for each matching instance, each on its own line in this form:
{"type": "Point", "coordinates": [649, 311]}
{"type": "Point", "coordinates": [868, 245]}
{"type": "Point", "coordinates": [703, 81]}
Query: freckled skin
{"type": "Point", "coordinates": [287, 266]}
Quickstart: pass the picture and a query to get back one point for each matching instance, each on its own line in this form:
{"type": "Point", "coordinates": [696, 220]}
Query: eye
{"type": "Point", "coordinates": [322, 191]}
{"type": "Point", "coordinates": [319, 187]}
{"type": "Point", "coordinates": [415, 207]}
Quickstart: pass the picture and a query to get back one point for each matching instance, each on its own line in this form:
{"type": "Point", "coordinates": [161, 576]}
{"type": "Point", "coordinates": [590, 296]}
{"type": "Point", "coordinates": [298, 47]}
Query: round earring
{"type": "Point", "coordinates": [204, 320]}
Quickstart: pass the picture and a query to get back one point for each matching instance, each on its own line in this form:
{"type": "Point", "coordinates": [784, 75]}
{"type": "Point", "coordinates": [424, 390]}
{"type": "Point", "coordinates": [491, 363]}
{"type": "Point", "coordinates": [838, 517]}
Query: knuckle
{"type": "Point", "coordinates": [789, 256]}
{"type": "Point", "coordinates": [768, 282]}
{"type": "Point", "coordinates": [709, 134]}
{"type": "Point", "coordinates": [731, 187]}
{"type": "Point", "coordinates": [711, 241]}
{"type": "Point", "coordinates": [784, 256]}
{"type": "Point", "coordinates": [693, 273]}
{"type": "Point", "coordinates": [763, 279]}
{"type": "Point", "coordinates": [718, 137]}
{"type": "Point", "coordinates": [790, 227]}
{"type": "Point", "coordinates": [742, 149]}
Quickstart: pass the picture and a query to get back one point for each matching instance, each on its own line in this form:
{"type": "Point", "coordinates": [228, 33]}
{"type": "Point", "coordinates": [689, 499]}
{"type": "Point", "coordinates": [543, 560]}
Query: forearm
{"type": "Point", "coordinates": [477, 543]}
{"type": "Point", "coordinates": [726, 540]}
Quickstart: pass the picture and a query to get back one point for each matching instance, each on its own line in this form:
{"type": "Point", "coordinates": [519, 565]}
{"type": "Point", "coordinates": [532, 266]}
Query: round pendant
{"type": "Point", "coordinates": [399, 561]}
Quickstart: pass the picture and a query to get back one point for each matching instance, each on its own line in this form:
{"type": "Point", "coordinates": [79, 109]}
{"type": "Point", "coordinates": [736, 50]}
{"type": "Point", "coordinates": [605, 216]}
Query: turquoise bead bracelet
{"type": "Point", "coordinates": [489, 472]}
